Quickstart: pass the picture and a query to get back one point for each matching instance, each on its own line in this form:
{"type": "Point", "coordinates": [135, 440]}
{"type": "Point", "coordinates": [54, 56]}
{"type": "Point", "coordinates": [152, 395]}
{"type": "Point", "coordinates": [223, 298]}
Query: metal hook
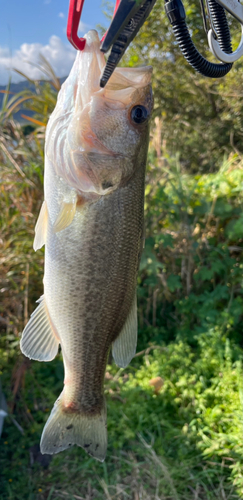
{"type": "Point", "coordinates": [236, 9]}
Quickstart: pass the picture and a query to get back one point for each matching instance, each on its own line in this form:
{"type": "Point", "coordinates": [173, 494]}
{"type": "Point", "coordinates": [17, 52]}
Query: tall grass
{"type": "Point", "coordinates": [175, 414]}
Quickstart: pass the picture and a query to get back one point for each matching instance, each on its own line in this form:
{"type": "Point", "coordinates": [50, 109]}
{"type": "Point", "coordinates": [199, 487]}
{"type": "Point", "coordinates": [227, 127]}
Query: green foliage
{"type": "Point", "coordinates": [191, 271]}
{"type": "Point", "coordinates": [187, 434]}
{"type": "Point", "coordinates": [200, 117]}
{"type": "Point", "coordinates": [175, 414]}
{"type": "Point", "coordinates": [190, 316]}
{"type": "Point", "coordinates": [21, 168]}
{"type": "Point", "coordinates": [198, 407]}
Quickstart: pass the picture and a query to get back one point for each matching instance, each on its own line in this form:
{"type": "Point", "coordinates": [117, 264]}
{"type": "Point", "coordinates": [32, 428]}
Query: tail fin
{"type": "Point", "coordinates": [63, 430]}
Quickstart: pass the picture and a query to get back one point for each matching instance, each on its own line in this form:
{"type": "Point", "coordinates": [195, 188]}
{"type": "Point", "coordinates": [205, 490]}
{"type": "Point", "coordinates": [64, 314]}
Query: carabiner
{"type": "Point", "coordinates": [74, 14]}
{"type": "Point", "coordinates": [236, 9]}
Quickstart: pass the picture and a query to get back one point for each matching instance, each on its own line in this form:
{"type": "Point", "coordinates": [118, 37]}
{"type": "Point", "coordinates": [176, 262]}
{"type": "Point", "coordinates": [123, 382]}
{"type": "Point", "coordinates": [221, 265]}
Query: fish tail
{"type": "Point", "coordinates": [64, 429]}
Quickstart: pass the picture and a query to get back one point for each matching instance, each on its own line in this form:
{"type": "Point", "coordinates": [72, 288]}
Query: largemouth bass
{"type": "Point", "coordinates": [91, 223]}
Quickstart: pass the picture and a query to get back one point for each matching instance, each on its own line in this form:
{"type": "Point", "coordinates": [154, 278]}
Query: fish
{"type": "Point", "coordinates": [92, 225]}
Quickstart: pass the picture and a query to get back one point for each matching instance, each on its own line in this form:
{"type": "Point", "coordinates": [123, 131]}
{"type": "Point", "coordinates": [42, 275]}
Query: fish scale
{"type": "Point", "coordinates": [91, 224]}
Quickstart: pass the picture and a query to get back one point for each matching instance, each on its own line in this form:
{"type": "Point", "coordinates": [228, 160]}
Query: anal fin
{"type": "Point", "coordinates": [41, 227]}
{"type": "Point", "coordinates": [124, 347]}
{"type": "Point", "coordinates": [39, 340]}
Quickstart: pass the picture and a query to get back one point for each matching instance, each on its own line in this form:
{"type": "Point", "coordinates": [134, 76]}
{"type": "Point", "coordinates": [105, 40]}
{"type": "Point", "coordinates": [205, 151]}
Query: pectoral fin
{"type": "Point", "coordinates": [39, 340]}
{"type": "Point", "coordinates": [65, 216]}
{"type": "Point", "coordinates": [124, 347]}
{"type": "Point", "coordinates": [41, 227]}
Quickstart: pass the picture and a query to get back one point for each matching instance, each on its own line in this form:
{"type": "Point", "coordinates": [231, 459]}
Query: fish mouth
{"type": "Point", "coordinates": [90, 64]}
{"type": "Point", "coordinates": [76, 144]}
{"type": "Point", "coordinates": [124, 78]}
{"type": "Point", "coordinates": [124, 85]}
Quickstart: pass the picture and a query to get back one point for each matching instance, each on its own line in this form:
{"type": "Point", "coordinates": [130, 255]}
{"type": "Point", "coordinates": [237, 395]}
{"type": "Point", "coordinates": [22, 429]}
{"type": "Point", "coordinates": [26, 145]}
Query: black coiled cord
{"type": "Point", "coordinates": [176, 14]}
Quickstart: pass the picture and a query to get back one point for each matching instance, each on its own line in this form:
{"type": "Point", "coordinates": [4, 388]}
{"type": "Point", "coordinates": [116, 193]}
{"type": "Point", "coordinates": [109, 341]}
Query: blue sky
{"type": "Point", "coordinates": [28, 27]}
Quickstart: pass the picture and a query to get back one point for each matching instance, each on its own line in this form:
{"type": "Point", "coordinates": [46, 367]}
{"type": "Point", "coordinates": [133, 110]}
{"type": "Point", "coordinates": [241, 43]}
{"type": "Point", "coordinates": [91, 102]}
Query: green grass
{"type": "Point", "coordinates": [183, 442]}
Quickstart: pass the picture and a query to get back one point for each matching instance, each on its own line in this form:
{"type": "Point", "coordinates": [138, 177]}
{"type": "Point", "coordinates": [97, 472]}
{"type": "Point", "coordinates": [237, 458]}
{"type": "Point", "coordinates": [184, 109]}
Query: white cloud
{"type": "Point", "coordinates": [83, 28]}
{"type": "Point", "coordinates": [58, 54]}
{"type": "Point", "coordinates": [61, 15]}
{"type": "Point", "coordinates": [4, 52]}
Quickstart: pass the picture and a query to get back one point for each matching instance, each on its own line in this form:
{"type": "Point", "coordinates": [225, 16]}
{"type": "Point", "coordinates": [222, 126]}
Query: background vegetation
{"type": "Point", "coordinates": [175, 415]}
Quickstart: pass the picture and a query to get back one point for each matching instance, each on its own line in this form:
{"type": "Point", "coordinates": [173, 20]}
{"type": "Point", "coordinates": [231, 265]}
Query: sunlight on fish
{"type": "Point", "coordinates": [91, 223]}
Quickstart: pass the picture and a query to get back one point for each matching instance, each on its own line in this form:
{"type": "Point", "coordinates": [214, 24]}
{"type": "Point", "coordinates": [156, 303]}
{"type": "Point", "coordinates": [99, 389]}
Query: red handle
{"type": "Point", "coordinates": [74, 14]}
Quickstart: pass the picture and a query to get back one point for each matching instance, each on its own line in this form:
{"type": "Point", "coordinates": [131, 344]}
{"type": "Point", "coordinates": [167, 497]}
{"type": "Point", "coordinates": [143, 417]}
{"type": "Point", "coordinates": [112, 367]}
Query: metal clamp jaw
{"type": "Point", "coordinates": [236, 9]}
{"type": "Point", "coordinates": [128, 18]}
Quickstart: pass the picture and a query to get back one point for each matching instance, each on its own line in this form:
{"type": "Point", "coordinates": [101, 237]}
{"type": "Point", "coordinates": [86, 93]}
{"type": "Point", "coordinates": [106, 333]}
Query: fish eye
{"type": "Point", "coordinates": [139, 114]}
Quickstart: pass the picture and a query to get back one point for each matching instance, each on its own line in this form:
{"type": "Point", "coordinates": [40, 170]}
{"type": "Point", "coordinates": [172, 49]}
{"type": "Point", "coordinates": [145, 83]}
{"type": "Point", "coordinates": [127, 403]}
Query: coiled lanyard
{"type": "Point", "coordinates": [130, 15]}
{"type": "Point", "coordinates": [177, 17]}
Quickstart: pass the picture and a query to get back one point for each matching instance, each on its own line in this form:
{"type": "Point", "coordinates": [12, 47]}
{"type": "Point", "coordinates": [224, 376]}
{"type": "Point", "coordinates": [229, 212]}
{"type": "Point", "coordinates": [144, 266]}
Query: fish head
{"type": "Point", "coordinates": [106, 131]}
{"type": "Point", "coordinates": [120, 113]}
{"type": "Point", "coordinates": [119, 117]}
